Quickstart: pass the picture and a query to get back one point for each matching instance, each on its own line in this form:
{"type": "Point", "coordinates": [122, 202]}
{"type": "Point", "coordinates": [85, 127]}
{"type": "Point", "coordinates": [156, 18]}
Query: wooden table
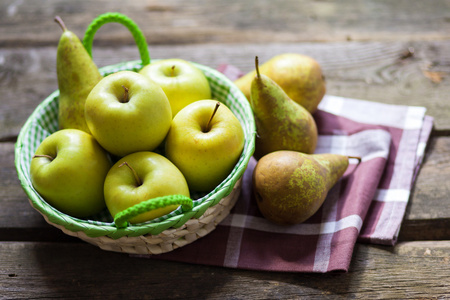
{"type": "Point", "coordinates": [387, 51]}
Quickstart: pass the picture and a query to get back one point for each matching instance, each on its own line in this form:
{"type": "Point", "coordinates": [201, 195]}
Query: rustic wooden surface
{"type": "Point", "coordinates": [387, 51]}
{"type": "Point", "coordinates": [30, 269]}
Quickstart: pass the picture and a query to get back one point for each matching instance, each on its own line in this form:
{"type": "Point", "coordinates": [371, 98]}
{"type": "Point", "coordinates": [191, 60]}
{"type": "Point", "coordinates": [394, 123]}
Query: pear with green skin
{"type": "Point", "coordinates": [281, 123]}
{"type": "Point", "coordinates": [289, 187]}
{"type": "Point", "coordinates": [77, 74]}
{"type": "Point", "coordinates": [300, 76]}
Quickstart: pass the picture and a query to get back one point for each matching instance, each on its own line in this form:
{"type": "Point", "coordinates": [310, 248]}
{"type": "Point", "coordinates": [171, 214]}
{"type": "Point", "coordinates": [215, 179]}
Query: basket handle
{"type": "Point", "coordinates": [111, 17]}
{"type": "Point", "coordinates": [121, 218]}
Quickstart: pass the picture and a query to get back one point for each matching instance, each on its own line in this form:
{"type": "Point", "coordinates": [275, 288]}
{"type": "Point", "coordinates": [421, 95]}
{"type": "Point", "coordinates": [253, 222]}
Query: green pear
{"type": "Point", "coordinates": [281, 123]}
{"type": "Point", "coordinates": [300, 76]}
{"type": "Point", "coordinates": [289, 186]}
{"type": "Point", "coordinates": [77, 75]}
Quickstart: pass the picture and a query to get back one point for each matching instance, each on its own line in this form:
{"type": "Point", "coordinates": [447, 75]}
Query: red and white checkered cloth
{"type": "Point", "coordinates": [366, 205]}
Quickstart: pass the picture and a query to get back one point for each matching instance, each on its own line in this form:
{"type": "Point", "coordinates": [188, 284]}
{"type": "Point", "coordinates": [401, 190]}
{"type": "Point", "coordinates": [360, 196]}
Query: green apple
{"type": "Point", "coordinates": [182, 82]}
{"type": "Point", "coordinates": [139, 177]}
{"type": "Point", "coordinates": [127, 112]}
{"type": "Point", "coordinates": [68, 170]}
{"type": "Point", "coordinates": [205, 143]}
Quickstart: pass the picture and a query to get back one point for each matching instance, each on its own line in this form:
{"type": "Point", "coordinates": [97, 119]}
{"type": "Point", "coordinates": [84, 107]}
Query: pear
{"type": "Point", "coordinates": [289, 186]}
{"type": "Point", "coordinates": [281, 123]}
{"type": "Point", "coordinates": [77, 74]}
{"type": "Point", "coordinates": [300, 76]}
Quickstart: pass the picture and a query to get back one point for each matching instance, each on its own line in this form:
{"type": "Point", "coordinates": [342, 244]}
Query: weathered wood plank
{"type": "Point", "coordinates": [427, 216]}
{"type": "Point", "coordinates": [424, 229]}
{"type": "Point", "coordinates": [422, 220]}
{"type": "Point", "coordinates": [410, 270]}
{"type": "Point", "coordinates": [179, 22]}
{"type": "Point", "coordinates": [371, 71]}
{"type": "Point", "coordinates": [435, 171]}
{"type": "Point", "coordinates": [18, 218]}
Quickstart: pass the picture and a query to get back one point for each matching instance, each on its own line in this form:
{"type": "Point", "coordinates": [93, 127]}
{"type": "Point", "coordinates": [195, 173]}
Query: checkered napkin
{"type": "Point", "coordinates": [366, 205]}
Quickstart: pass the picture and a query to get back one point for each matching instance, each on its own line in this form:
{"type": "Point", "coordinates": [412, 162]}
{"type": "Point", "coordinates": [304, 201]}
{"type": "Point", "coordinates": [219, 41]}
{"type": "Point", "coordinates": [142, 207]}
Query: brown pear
{"type": "Point", "coordinates": [289, 186]}
{"type": "Point", "coordinates": [300, 76]}
{"type": "Point", "coordinates": [281, 123]}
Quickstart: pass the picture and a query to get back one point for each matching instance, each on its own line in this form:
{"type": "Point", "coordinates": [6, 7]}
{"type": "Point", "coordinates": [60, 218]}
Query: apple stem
{"type": "Point", "coordinates": [125, 98]}
{"type": "Point", "coordinates": [212, 116]}
{"type": "Point", "coordinates": [355, 157]}
{"type": "Point", "coordinates": [60, 22]}
{"type": "Point", "coordinates": [139, 182]}
{"type": "Point", "coordinates": [257, 67]}
{"type": "Point", "coordinates": [173, 71]}
{"type": "Point", "coordinates": [43, 155]}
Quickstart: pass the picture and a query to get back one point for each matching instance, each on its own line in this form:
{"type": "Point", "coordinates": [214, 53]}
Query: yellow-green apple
{"type": "Point", "coordinates": [68, 170]}
{"type": "Point", "coordinates": [205, 143]}
{"type": "Point", "coordinates": [182, 81]}
{"type": "Point", "coordinates": [127, 112]}
{"type": "Point", "coordinates": [141, 176]}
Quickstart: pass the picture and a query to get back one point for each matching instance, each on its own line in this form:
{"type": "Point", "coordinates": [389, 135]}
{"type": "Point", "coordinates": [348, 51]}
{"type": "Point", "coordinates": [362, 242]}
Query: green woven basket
{"type": "Point", "coordinates": [165, 233]}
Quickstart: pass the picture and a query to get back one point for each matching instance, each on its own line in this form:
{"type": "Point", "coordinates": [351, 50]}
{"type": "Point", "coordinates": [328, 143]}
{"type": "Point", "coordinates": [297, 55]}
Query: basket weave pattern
{"type": "Point", "coordinates": [169, 239]}
{"type": "Point", "coordinates": [157, 236]}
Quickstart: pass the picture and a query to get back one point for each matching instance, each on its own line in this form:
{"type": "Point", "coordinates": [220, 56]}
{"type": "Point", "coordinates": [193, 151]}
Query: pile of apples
{"type": "Point", "coordinates": [132, 136]}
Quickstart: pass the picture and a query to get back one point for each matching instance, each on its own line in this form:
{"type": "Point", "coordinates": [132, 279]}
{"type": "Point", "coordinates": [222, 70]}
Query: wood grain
{"type": "Point", "coordinates": [233, 21]}
{"type": "Point", "coordinates": [30, 269]}
{"type": "Point", "coordinates": [430, 188]}
{"type": "Point", "coordinates": [372, 71]}
{"type": "Point", "coordinates": [429, 184]}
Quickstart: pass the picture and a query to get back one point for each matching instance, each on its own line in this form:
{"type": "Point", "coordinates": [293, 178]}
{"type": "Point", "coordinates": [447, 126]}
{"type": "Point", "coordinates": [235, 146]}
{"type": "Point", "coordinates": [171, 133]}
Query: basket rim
{"type": "Point", "coordinates": [94, 228]}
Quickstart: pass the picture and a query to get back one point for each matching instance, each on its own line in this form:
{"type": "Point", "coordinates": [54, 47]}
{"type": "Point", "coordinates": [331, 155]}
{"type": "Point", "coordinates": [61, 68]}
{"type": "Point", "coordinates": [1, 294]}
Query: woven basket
{"type": "Point", "coordinates": [163, 234]}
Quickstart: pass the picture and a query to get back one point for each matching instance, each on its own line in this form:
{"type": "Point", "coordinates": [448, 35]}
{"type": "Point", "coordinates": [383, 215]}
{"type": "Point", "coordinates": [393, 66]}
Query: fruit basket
{"type": "Point", "coordinates": [160, 235]}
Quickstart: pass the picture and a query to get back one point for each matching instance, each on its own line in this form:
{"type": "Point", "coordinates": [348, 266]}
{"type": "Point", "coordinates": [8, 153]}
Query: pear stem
{"type": "Point", "coordinates": [355, 157]}
{"type": "Point", "coordinates": [212, 116]}
{"type": "Point", "coordinates": [44, 155]}
{"type": "Point", "coordinates": [125, 98]}
{"type": "Point", "coordinates": [136, 177]}
{"type": "Point", "coordinates": [61, 23]}
{"type": "Point", "coordinates": [257, 67]}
